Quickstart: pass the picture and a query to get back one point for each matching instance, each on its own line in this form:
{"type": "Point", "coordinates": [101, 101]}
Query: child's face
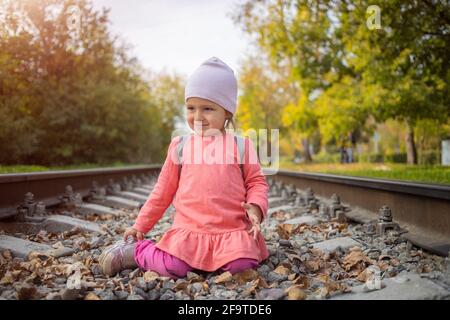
{"type": "Point", "coordinates": [203, 115]}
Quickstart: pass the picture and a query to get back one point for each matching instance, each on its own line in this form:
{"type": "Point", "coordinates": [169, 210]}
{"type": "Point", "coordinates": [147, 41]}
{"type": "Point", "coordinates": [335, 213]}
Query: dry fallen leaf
{"type": "Point", "coordinates": [356, 261]}
{"type": "Point", "coordinates": [336, 286]}
{"type": "Point", "coordinates": [7, 254]}
{"type": "Point", "coordinates": [291, 276]}
{"type": "Point", "coordinates": [245, 276]}
{"type": "Point", "coordinates": [250, 290]}
{"type": "Point", "coordinates": [316, 252]}
{"type": "Point", "coordinates": [302, 281]}
{"type": "Point", "coordinates": [312, 265]}
{"type": "Point", "coordinates": [395, 262]}
{"type": "Point", "coordinates": [7, 278]}
{"type": "Point", "coordinates": [182, 285]}
{"type": "Point", "coordinates": [279, 215]}
{"type": "Point", "coordinates": [231, 285]}
{"type": "Point", "coordinates": [295, 293]}
{"type": "Point", "coordinates": [323, 278]}
{"type": "Point", "coordinates": [424, 269]}
{"type": "Point", "coordinates": [363, 276]}
{"type": "Point", "coordinates": [193, 277]}
{"type": "Point", "coordinates": [224, 277]}
{"type": "Point", "coordinates": [282, 270]}
{"type": "Point", "coordinates": [150, 276]}
{"type": "Point", "coordinates": [91, 296]}
{"type": "Point", "coordinates": [28, 292]}
{"type": "Point", "coordinates": [286, 230]}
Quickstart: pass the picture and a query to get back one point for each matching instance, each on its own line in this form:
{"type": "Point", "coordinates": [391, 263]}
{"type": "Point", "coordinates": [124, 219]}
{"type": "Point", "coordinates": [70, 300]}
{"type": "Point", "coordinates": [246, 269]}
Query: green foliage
{"type": "Point", "coordinates": [347, 74]}
{"type": "Point", "coordinates": [419, 173]}
{"type": "Point", "coordinates": [262, 99]}
{"type": "Point", "coordinates": [70, 96]}
{"type": "Point", "coordinates": [408, 60]}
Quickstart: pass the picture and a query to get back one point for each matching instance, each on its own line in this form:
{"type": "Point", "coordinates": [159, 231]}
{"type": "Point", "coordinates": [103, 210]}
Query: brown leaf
{"type": "Point", "coordinates": [316, 252]}
{"type": "Point", "coordinates": [282, 270]}
{"type": "Point", "coordinates": [83, 245]}
{"type": "Point", "coordinates": [323, 292]}
{"type": "Point", "coordinates": [250, 290]}
{"type": "Point", "coordinates": [302, 281]}
{"type": "Point", "coordinates": [150, 275]}
{"type": "Point", "coordinates": [395, 262]}
{"type": "Point", "coordinates": [312, 265]}
{"type": "Point", "coordinates": [261, 283]}
{"type": "Point", "coordinates": [59, 269]}
{"type": "Point", "coordinates": [273, 285]}
{"type": "Point", "coordinates": [42, 256]}
{"type": "Point", "coordinates": [231, 285]}
{"type": "Point", "coordinates": [332, 286]}
{"type": "Point", "coordinates": [323, 278]}
{"type": "Point", "coordinates": [296, 293]}
{"type": "Point", "coordinates": [182, 285]}
{"type": "Point", "coordinates": [356, 260]}
{"type": "Point", "coordinates": [424, 269]}
{"type": "Point", "coordinates": [91, 296]}
{"type": "Point", "coordinates": [245, 276]}
{"type": "Point", "coordinates": [363, 276]}
{"type": "Point", "coordinates": [7, 254]}
{"type": "Point", "coordinates": [279, 215]}
{"type": "Point", "coordinates": [291, 276]}
{"type": "Point", "coordinates": [383, 265]}
{"type": "Point", "coordinates": [286, 230]}
{"type": "Point", "coordinates": [7, 278]}
{"type": "Point", "coordinates": [224, 277]}
{"type": "Point", "coordinates": [193, 277]}
{"type": "Point", "coordinates": [27, 292]}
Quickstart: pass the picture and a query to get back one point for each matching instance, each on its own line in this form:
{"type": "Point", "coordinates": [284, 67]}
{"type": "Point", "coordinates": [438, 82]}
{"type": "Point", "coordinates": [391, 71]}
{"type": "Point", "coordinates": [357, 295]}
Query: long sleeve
{"type": "Point", "coordinates": [254, 179]}
{"type": "Point", "coordinates": [162, 194]}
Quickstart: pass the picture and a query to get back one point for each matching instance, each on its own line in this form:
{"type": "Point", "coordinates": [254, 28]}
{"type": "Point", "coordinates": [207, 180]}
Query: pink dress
{"type": "Point", "coordinates": [210, 227]}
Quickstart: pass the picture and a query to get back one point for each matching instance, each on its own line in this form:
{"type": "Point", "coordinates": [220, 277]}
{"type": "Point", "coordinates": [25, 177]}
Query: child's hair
{"type": "Point", "coordinates": [229, 121]}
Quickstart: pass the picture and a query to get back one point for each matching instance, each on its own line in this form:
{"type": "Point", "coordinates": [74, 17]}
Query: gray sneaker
{"type": "Point", "coordinates": [117, 257]}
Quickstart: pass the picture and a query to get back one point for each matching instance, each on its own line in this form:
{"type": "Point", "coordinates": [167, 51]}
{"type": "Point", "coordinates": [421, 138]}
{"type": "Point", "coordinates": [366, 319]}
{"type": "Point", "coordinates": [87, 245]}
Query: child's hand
{"type": "Point", "coordinates": [134, 233]}
{"type": "Point", "coordinates": [254, 214]}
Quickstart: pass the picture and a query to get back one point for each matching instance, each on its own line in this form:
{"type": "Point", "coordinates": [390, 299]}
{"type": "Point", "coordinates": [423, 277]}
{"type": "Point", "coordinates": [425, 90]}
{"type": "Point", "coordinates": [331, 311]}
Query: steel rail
{"type": "Point", "coordinates": [423, 209]}
{"type": "Point", "coordinates": [48, 186]}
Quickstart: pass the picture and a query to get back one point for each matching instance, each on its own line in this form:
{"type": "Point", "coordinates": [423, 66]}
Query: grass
{"type": "Point", "coordinates": [30, 168]}
{"type": "Point", "coordinates": [416, 173]}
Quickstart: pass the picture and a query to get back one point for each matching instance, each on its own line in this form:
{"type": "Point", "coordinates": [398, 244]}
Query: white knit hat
{"type": "Point", "coordinates": [213, 80]}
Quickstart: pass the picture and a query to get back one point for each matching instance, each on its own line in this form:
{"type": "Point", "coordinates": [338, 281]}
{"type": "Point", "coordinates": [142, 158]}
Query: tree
{"type": "Point", "coordinates": [296, 36]}
{"type": "Point", "coordinates": [70, 93]}
{"type": "Point", "coordinates": [400, 71]}
{"type": "Point", "coordinates": [264, 95]}
{"type": "Point", "coordinates": [407, 59]}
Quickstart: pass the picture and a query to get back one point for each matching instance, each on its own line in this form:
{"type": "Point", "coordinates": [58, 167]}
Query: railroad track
{"type": "Point", "coordinates": [330, 237]}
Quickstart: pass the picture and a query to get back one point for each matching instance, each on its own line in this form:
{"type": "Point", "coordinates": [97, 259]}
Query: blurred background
{"type": "Point", "coordinates": [355, 87]}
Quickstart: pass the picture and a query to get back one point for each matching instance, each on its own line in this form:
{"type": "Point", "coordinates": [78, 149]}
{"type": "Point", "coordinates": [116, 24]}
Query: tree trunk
{"type": "Point", "coordinates": [411, 151]}
{"type": "Point", "coordinates": [306, 154]}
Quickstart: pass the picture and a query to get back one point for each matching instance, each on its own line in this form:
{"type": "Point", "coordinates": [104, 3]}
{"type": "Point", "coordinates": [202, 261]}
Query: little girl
{"type": "Point", "coordinates": [218, 208]}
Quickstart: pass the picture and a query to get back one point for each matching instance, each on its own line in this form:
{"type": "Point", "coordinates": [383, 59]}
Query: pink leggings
{"type": "Point", "coordinates": [149, 257]}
